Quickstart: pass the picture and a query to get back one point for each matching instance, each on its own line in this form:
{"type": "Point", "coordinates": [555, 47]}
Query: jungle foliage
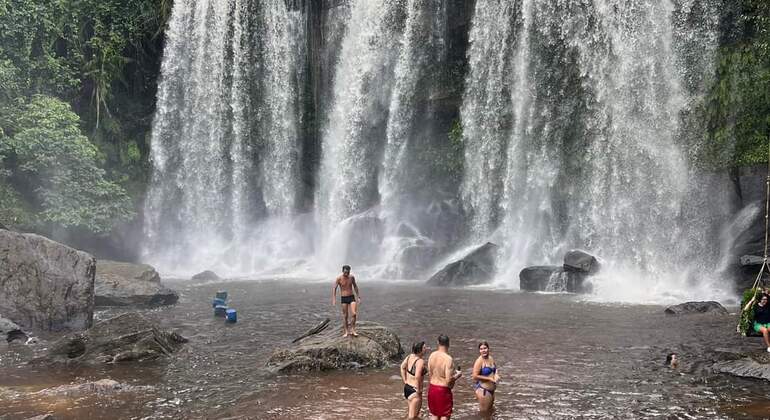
{"type": "Point", "coordinates": [77, 92]}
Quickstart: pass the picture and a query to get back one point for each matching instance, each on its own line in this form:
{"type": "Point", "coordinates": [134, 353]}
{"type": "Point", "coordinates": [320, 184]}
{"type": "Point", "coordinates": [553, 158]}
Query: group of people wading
{"type": "Point", "coordinates": [440, 366]}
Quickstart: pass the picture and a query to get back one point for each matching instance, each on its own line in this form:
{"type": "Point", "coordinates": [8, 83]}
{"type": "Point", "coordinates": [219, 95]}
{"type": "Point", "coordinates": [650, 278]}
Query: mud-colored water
{"type": "Point", "coordinates": [559, 357]}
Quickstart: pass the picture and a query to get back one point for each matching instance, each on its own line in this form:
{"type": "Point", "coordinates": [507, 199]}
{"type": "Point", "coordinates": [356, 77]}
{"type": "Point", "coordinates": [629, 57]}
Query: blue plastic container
{"type": "Point", "coordinates": [231, 315]}
{"type": "Point", "coordinates": [221, 295]}
{"type": "Point", "coordinates": [220, 310]}
{"type": "Point", "coordinates": [216, 302]}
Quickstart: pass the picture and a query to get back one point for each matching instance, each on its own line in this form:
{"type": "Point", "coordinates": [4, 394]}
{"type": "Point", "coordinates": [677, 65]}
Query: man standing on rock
{"type": "Point", "coordinates": [350, 301]}
{"type": "Point", "coordinates": [442, 379]}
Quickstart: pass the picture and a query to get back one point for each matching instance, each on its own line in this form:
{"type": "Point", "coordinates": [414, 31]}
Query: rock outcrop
{"type": "Point", "coordinates": [696, 307]}
{"type": "Point", "coordinates": [10, 331]}
{"type": "Point", "coordinates": [754, 365]}
{"type": "Point", "coordinates": [126, 337]}
{"type": "Point", "coordinates": [581, 262]}
{"type": "Point", "coordinates": [207, 275]}
{"type": "Point", "coordinates": [570, 277]}
{"type": "Point", "coordinates": [326, 349]}
{"type": "Point", "coordinates": [477, 267]}
{"type": "Point", "coordinates": [126, 284]}
{"type": "Point", "coordinates": [45, 285]}
{"type": "Point", "coordinates": [102, 387]}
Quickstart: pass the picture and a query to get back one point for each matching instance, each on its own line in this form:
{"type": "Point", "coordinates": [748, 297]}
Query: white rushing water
{"type": "Point", "coordinates": [582, 147]}
{"type": "Point", "coordinates": [225, 142]}
{"type": "Point", "coordinates": [572, 133]}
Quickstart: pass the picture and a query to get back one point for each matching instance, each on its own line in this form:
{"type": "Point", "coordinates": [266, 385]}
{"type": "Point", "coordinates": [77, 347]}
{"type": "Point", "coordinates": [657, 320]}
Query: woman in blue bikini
{"type": "Point", "coordinates": [486, 377]}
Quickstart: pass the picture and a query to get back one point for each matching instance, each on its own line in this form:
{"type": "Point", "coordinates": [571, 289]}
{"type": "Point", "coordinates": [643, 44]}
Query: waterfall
{"type": "Point", "coordinates": [225, 138]}
{"type": "Point", "coordinates": [577, 118]}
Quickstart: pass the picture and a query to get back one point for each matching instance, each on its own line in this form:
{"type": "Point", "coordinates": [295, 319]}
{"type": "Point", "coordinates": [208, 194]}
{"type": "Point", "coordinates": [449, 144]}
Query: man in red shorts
{"type": "Point", "coordinates": [442, 379]}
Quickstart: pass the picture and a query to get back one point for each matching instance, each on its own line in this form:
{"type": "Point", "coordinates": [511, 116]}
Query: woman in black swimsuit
{"type": "Point", "coordinates": [413, 371]}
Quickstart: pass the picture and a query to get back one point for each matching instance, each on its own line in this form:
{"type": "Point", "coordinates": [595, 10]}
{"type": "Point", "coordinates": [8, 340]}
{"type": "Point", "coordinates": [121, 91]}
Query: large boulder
{"type": "Point", "coordinates": [581, 262]}
{"type": "Point", "coordinates": [477, 267]}
{"type": "Point", "coordinates": [375, 346]}
{"type": "Point", "coordinates": [553, 278]}
{"type": "Point", "coordinates": [11, 331]}
{"type": "Point", "coordinates": [45, 285]}
{"type": "Point", "coordinates": [696, 308]}
{"type": "Point", "coordinates": [126, 284]}
{"type": "Point", "coordinates": [206, 275]}
{"type": "Point", "coordinates": [126, 337]}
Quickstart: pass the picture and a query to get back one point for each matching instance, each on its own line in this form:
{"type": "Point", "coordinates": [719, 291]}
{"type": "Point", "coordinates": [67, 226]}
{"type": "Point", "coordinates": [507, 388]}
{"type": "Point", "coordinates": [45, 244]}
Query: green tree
{"type": "Point", "coordinates": [54, 168]}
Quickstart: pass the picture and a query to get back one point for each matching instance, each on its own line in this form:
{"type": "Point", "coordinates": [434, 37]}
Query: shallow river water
{"type": "Point", "coordinates": [559, 357]}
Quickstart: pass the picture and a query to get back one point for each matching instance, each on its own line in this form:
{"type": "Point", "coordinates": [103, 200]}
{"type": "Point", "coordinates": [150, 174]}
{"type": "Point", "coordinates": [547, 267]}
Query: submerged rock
{"type": "Point", "coordinates": [696, 307]}
{"type": "Point", "coordinates": [375, 346]}
{"type": "Point", "coordinates": [754, 365]}
{"type": "Point", "coordinates": [11, 331]}
{"type": "Point", "coordinates": [207, 275]}
{"type": "Point", "coordinates": [126, 284]}
{"type": "Point", "coordinates": [45, 285]}
{"type": "Point", "coordinates": [101, 387]}
{"type": "Point", "coordinates": [477, 267]}
{"type": "Point", "coordinates": [126, 337]}
{"type": "Point", "coordinates": [553, 278]}
{"type": "Point", "coordinates": [580, 261]}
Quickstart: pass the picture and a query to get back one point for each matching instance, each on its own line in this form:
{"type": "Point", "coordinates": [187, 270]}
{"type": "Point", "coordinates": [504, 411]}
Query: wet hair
{"type": "Point", "coordinates": [443, 340]}
{"type": "Point", "coordinates": [483, 343]}
{"type": "Point", "coordinates": [669, 358]}
{"type": "Point", "coordinates": [345, 267]}
{"type": "Point", "coordinates": [417, 347]}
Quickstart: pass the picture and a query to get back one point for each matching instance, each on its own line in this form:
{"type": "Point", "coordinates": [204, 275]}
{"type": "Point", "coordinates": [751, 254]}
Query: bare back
{"type": "Point", "coordinates": [346, 284]}
{"type": "Point", "coordinates": [440, 369]}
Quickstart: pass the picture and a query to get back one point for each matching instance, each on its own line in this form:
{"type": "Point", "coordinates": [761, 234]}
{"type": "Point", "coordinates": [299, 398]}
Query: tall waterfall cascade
{"type": "Point", "coordinates": [298, 136]}
{"type": "Point", "coordinates": [583, 144]}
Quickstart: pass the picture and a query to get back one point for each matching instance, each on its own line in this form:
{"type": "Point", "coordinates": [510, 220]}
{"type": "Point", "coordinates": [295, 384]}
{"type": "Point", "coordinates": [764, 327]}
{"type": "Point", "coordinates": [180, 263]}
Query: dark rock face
{"type": "Point", "coordinates": [126, 284]}
{"type": "Point", "coordinates": [364, 233]}
{"type": "Point", "coordinates": [553, 278]}
{"type": "Point", "coordinates": [581, 262]}
{"type": "Point", "coordinates": [478, 267]}
{"type": "Point", "coordinates": [207, 275]}
{"type": "Point", "coordinates": [126, 337]}
{"type": "Point", "coordinates": [696, 307]}
{"type": "Point", "coordinates": [45, 285]}
{"type": "Point", "coordinates": [375, 346]}
{"type": "Point", "coordinates": [11, 331]}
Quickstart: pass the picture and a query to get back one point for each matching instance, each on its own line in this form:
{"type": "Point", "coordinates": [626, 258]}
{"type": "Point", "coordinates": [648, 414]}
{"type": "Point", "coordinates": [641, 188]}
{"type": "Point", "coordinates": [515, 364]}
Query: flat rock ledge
{"type": "Point", "coordinates": [376, 346]}
{"type": "Point", "coordinates": [127, 284]}
{"type": "Point", "coordinates": [126, 337]}
{"type": "Point", "coordinates": [696, 308]}
{"type": "Point", "coordinates": [754, 365]}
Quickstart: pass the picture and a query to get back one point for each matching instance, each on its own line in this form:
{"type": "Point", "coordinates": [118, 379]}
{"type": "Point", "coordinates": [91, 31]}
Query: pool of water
{"type": "Point", "coordinates": [559, 356]}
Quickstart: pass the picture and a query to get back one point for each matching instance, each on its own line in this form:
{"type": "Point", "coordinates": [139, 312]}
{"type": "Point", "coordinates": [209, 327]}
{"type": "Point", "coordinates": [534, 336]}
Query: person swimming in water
{"type": "Point", "coordinates": [442, 379]}
{"type": "Point", "coordinates": [348, 299]}
{"type": "Point", "coordinates": [486, 377]}
{"type": "Point", "coordinates": [413, 371]}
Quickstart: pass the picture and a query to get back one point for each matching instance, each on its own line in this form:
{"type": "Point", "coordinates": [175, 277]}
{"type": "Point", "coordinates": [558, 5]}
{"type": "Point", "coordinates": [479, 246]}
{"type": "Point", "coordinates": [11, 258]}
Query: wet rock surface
{"type": "Point", "coordinates": [375, 346]}
{"type": "Point", "coordinates": [126, 337]}
{"type": "Point", "coordinates": [11, 332]}
{"type": "Point", "coordinates": [696, 307]}
{"type": "Point", "coordinates": [101, 387]}
{"type": "Point", "coordinates": [207, 275]}
{"type": "Point", "coordinates": [127, 284]}
{"type": "Point", "coordinates": [477, 267]}
{"type": "Point", "coordinates": [580, 261]}
{"type": "Point", "coordinates": [45, 285]}
{"type": "Point", "coordinates": [552, 278]}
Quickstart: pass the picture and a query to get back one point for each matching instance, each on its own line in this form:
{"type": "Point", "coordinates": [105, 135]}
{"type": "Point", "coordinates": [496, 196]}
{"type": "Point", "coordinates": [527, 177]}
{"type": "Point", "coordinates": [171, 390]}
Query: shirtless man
{"type": "Point", "coordinates": [350, 302]}
{"type": "Point", "coordinates": [442, 379]}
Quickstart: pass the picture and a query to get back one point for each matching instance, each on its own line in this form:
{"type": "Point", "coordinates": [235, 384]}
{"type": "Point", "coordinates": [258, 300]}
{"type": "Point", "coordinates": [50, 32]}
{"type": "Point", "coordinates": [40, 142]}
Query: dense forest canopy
{"type": "Point", "coordinates": [77, 96]}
